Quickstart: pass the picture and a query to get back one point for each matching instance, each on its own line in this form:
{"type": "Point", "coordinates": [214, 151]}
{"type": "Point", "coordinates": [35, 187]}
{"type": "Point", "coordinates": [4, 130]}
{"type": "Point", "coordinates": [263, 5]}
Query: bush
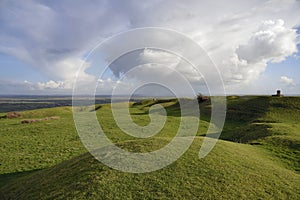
{"type": "Point", "coordinates": [201, 98]}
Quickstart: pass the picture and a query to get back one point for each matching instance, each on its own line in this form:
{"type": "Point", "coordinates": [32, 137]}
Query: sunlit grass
{"type": "Point", "coordinates": [46, 160]}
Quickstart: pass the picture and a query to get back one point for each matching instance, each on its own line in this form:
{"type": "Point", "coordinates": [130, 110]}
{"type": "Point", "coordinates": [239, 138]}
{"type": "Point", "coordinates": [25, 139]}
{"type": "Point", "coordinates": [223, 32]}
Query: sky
{"type": "Point", "coordinates": [46, 45]}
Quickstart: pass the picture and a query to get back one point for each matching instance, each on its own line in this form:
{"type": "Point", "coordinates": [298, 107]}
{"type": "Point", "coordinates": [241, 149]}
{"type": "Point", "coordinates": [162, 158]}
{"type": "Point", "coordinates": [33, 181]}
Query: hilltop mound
{"type": "Point", "coordinates": [229, 171]}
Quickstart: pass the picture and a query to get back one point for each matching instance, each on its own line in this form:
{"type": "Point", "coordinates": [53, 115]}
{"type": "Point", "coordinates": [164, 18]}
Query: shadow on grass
{"type": "Point", "coordinates": [243, 123]}
{"type": "Point", "coordinates": [7, 178]}
{"type": "Point", "coordinates": [172, 107]}
{"type": "Point", "coordinates": [243, 118]}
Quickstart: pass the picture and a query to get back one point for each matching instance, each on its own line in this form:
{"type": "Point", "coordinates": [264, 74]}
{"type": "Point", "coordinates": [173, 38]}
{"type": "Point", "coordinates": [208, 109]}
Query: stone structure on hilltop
{"type": "Point", "coordinates": [278, 94]}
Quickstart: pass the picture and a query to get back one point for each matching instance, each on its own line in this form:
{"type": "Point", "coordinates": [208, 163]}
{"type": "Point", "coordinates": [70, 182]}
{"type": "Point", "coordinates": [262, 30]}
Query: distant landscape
{"type": "Point", "coordinates": [258, 156]}
{"type": "Point", "coordinates": [28, 102]}
{"type": "Point", "coordinates": [148, 100]}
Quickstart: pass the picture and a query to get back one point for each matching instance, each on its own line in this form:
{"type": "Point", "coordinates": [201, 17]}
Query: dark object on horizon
{"type": "Point", "coordinates": [278, 94]}
{"type": "Point", "coordinates": [201, 98]}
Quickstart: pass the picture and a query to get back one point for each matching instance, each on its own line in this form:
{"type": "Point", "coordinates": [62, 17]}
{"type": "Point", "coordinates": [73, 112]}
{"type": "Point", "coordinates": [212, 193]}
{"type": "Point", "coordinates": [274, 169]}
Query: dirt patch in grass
{"type": "Point", "coordinates": [28, 121]}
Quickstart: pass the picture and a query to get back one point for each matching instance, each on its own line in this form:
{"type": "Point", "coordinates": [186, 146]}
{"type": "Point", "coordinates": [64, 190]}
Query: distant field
{"type": "Point", "coordinates": [21, 103]}
{"type": "Point", "coordinates": [258, 156]}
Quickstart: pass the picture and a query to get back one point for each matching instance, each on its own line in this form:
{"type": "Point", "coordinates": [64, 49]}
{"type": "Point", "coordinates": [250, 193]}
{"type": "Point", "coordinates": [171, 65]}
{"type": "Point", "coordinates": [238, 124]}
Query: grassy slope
{"type": "Point", "coordinates": [270, 121]}
{"type": "Point", "coordinates": [30, 147]}
{"type": "Point", "coordinates": [231, 170]}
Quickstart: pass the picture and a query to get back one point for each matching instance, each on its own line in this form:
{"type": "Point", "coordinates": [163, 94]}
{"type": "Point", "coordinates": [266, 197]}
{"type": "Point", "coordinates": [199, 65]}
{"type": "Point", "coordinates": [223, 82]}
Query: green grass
{"type": "Point", "coordinates": [46, 160]}
{"type": "Point", "coordinates": [270, 121]}
{"type": "Point", "coordinates": [228, 172]}
{"type": "Point", "coordinates": [26, 147]}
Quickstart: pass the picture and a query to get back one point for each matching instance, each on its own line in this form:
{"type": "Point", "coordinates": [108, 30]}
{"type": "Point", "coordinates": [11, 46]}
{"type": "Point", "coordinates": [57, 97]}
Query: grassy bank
{"type": "Point", "coordinates": [257, 158]}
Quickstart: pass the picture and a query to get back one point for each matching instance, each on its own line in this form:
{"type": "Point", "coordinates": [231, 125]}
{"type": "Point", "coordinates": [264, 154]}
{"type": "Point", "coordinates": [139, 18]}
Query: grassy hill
{"type": "Point", "coordinates": [271, 122]}
{"type": "Point", "coordinates": [259, 160]}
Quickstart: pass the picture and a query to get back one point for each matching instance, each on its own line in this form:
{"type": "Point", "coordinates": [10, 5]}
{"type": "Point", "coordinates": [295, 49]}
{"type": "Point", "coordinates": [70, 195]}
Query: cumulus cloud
{"type": "Point", "coordinates": [18, 87]}
{"type": "Point", "coordinates": [286, 80]}
{"type": "Point", "coordinates": [272, 42]}
{"type": "Point", "coordinates": [241, 37]}
{"type": "Point", "coordinates": [154, 65]}
{"type": "Point", "coordinates": [51, 85]}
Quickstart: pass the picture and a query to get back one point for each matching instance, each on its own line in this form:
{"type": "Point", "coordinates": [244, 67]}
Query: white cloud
{"type": "Point", "coordinates": [240, 36]}
{"type": "Point", "coordinates": [272, 42]}
{"type": "Point", "coordinates": [286, 80]}
{"type": "Point", "coordinates": [154, 63]}
{"type": "Point", "coordinates": [51, 85]}
{"type": "Point", "coordinates": [20, 87]}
